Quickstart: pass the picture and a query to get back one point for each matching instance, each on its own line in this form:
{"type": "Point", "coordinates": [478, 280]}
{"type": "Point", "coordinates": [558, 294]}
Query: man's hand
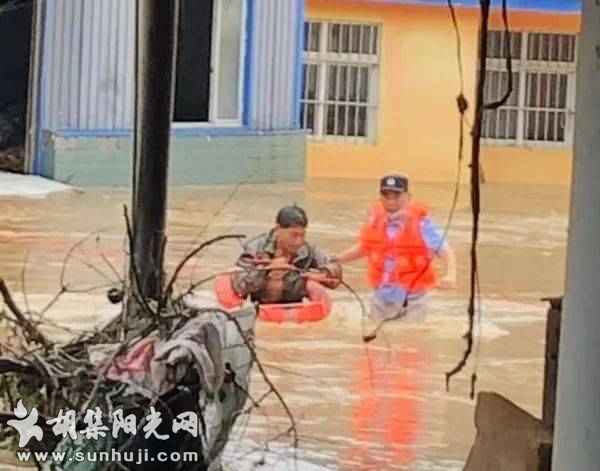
{"type": "Point", "coordinates": [330, 277]}
{"type": "Point", "coordinates": [319, 277]}
{"type": "Point", "coordinates": [280, 264]}
{"type": "Point", "coordinates": [447, 282]}
{"type": "Point", "coordinates": [267, 264]}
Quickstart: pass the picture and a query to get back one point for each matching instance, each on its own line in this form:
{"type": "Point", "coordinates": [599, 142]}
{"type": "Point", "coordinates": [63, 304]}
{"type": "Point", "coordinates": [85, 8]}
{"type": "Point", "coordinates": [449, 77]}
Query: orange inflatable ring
{"type": "Point", "coordinates": [226, 296]}
{"type": "Point", "coordinates": [317, 308]}
{"type": "Point", "coordinates": [293, 312]}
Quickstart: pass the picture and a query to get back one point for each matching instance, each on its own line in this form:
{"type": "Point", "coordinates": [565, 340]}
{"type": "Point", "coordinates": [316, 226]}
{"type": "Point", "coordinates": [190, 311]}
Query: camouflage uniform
{"type": "Point", "coordinates": [252, 281]}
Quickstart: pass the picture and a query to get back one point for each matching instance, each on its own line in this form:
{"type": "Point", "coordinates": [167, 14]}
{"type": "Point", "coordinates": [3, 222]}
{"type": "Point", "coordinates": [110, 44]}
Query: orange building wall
{"type": "Point", "coordinates": [417, 130]}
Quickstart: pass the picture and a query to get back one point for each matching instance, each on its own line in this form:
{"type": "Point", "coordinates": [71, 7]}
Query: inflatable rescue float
{"type": "Point", "coordinates": [315, 309]}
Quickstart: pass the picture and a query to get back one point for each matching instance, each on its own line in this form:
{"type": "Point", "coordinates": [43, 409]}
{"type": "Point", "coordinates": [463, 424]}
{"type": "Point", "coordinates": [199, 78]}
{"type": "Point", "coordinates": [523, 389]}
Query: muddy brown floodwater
{"type": "Point", "coordinates": [378, 407]}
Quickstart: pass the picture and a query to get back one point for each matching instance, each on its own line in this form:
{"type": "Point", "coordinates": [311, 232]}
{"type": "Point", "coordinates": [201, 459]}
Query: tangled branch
{"type": "Point", "coordinates": [57, 376]}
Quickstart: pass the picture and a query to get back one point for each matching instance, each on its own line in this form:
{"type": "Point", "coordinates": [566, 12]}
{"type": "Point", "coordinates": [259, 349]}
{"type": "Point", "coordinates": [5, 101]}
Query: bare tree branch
{"type": "Point", "coordinates": [192, 254]}
{"type": "Point", "coordinates": [32, 332]}
{"type": "Point", "coordinates": [23, 281]}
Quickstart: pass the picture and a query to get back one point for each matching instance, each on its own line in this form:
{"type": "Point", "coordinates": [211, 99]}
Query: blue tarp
{"type": "Point", "coordinates": [562, 6]}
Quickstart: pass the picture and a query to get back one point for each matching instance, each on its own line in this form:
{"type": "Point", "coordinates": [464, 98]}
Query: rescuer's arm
{"type": "Point", "coordinates": [350, 255]}
{"type": "Point", "coordinates": [434, 238]}
{"type": "Point", "coordinates": [449, 258]}
{"type": "Point", "coordinates": [330, 269]}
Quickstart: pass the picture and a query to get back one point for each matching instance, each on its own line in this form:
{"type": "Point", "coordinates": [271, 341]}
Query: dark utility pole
{"type": "Point", "coordinates": [157, 22]}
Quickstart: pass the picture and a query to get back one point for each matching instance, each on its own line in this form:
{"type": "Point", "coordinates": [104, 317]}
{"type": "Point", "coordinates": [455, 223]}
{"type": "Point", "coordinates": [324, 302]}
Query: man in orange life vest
{"type": "Point", "coordinates": [400, 241]}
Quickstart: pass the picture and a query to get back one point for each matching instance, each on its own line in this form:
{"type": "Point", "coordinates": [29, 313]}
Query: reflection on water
{"type": "Point", "coordinates": [387, 410]}
{"type": "Point", "coordinates": [357, 408]}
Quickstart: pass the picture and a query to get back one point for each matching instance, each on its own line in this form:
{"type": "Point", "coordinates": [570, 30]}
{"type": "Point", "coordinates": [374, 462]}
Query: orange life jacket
{"type": "Point", "coordinates": [413, 268]}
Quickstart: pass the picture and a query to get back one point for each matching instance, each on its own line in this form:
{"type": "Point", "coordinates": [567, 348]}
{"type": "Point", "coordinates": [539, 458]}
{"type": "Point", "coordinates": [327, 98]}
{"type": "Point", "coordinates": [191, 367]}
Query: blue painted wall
{"type": "Point", "coordinates": [87, 64]}
{"type": "Point", "coordinates": [86, 93]}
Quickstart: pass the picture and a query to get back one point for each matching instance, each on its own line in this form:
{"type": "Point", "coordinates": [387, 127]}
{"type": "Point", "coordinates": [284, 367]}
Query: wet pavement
{"type": "Point", "coordinates": [381, 406]}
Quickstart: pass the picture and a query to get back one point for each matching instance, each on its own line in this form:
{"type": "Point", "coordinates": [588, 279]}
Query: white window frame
{"type": "Point", "coordinates": [322, 59]}
{"type": "Point", "coordinates": [213, 101]}
{"type": "Point", "coordinates": [522, 67]}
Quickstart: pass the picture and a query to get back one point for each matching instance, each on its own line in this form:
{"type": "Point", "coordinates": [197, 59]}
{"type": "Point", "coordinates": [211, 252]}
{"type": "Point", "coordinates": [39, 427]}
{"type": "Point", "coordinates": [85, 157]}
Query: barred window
{"type": "Point", "coordinates": [341, 62]}
{"type": "Point", "coordinates": [540, 107]}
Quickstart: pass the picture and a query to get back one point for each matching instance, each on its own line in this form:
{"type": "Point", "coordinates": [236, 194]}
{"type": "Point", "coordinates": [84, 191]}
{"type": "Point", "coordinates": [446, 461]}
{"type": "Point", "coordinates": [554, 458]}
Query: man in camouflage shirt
{"type": "Point", "coordinates": [277, 265]}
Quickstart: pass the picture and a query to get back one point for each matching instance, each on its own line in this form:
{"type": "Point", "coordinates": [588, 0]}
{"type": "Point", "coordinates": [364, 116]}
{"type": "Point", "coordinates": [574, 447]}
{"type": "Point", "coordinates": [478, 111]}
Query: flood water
{"type": "Point", "coordinates": [381, 406]}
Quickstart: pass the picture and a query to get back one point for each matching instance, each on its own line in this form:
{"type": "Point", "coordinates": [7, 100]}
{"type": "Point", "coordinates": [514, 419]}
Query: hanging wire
{"type": "Point", "coordinates": [480, 106]}
{"type": "Point", "coordinates": [458, 46]}
{"type": "Point", "coordinates": [508, 47]}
